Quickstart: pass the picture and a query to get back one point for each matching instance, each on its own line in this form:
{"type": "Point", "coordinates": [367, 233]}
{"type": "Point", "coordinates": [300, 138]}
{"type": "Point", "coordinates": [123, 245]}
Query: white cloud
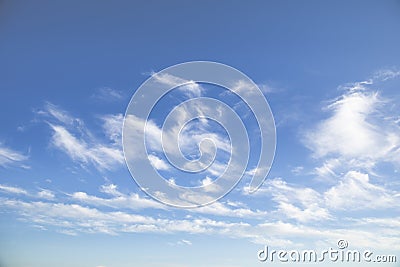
{"type": "Point", "coordinates": [185, 242]}
{"type": "Point", "coordinates": [110, 189]}
{"type": "Point", "coordinates": [267, 88]}
{"type": "Point", "coordinates": [42, 194]}
{"type": "Point", "coordinates": [9, 157]}
{"type": "Point", "coordinates": [71, 136]}
{"type": "Point", "coordinates": [107, 94]}
{"type": "Point", "coordinates": [386, 74]}
{"type": "Point", "coordinates": [348, 131]}
{"type": "Point", "coordinates": [134, 134]}
{"type": "Point", "coordinates": [393, 222]}
{"type": "Point", "coordinates": [361, 130]}
{"type": "Point", "coordinates": [206, 181]}
{"type": "Point", "coordinates": [73, 216]}
{"type": "Point", "coordinates": [112, 127]}
{"type": "Point", "coordinates": [45, 194]}
{"type": "Point", "coordinates": [72, 219]}
{"type": "Point", "coordinates": [60, 115]}
{"type": "Point", "coordinates": [308, 207]}
{"type": "Point", "coordinates": [297, 170]}
{"type": "Point", "coordinates": [300, 203]}
{"type": "Point", "coordinates": [83, 219]}
{"type": "Point", "coordinates": [191, 88]}
{"type": "Point", "coordinates": [163, 140]}
{"type": "Point", "coordinates": [355, 192]}
{"type": "Point", "coordinates": [102, 156]}
{"type": "Point", "coordinates": [328, 169]}
{"type": "Point", "coordinates": [211, 187]}
{"type": "Point", "coordinates": [374, 236]}
{"type": "Point", "coordinates": [228, 210]}
{"type": "Point", "coordinates": [133, 201]}
{"type": "Point", "coordinates": [256, 170]}
{"type": "Point", "coordinates": [249, 89]}
{"type": "Point", "coordinates": [158, 163]}
{"type": "Point", "coordinates": [119, 200]}
{"type": "Point", "coordinates": [13, 190]}
{"type": "Point", "coordinates": [67, 232]}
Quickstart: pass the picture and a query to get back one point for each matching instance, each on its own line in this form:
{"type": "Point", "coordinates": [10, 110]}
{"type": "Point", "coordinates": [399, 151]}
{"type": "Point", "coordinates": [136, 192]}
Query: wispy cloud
{"type": "Point", "coordinates": [107, 94]}
{"type": "Point", "coordinates": [112, 127]}
{"type": "Point", "coordinates": [386, 74]}
{"type": "Point", "coordinates": [249, 89]}
{"type": "Point", "coordinates": [118, 200]}
{"type": "Point", "coordinates": [134, 201]}
{"type": "Point", "coordinates": [71, 136]}
{"type": "Point", "coordinates": [77, 218]}
{"type": "Point", "coordinates": [102, 156]}
{"type": "Point", "coordinates": [9, 157]}
{"type": "Point", "coordinates": [357, 134]}
{"type": "Point", "coordinates": [300, 203]}
{"type": "Point", "coordinates": [185, 242]}
{"type": "Point", "coordinates": [165, 140]}
{"type": "Point", "coordinates": [13, 190]}
{"type": "Point", "coordinates": [190, 88]}
{"type": "Point", "coordinates": [230, 209]}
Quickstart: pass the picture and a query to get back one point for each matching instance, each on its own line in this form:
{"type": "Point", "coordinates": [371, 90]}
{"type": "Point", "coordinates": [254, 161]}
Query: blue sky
{"type": "Point", "coordinates": [330, 72]}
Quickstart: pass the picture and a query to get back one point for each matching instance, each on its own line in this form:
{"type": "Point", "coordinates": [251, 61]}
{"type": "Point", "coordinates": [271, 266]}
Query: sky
{"type": "Point", "coordinates": [330, 72]}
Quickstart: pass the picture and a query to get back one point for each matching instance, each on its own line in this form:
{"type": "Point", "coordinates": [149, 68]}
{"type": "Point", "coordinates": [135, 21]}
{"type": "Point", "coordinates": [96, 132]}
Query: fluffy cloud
{"type": "Point", "coordinates": [355, 192]}
{"type": "Point", "coordinates": [349, 132]}
{"type": "Point", "coordinates": [158, 163]}
{"type": "Point", "coordinates": [45, 194]}
{"type": "Point", "coordinates": [360, 130]}
{"type": "Point", "coordinates": [295, 202]}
